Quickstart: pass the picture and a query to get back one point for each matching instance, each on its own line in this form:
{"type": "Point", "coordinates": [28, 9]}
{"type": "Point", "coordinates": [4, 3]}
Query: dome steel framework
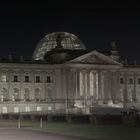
{"type": "Point", "coordinates": [69, 41]}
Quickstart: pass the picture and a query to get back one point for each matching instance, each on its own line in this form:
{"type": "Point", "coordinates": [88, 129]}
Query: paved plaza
{"type": "Point", "coordinates": [22, 134]}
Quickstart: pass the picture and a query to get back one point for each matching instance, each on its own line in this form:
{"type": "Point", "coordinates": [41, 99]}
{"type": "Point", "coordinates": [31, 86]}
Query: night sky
{"type": "Point", "coordinates": [23, 25]}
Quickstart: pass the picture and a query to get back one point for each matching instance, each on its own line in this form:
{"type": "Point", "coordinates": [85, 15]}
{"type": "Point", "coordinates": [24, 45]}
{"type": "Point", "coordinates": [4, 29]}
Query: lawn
{"type": "Point", "coordinates": [99, 132]}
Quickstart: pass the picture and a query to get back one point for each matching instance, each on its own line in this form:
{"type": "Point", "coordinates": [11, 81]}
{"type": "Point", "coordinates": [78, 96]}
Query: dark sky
{"type": "Point", "coordinates": [22, 25]}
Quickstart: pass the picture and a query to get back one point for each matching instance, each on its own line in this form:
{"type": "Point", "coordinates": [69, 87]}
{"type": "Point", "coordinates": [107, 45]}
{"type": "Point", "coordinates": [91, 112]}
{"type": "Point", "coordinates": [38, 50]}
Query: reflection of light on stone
{"type": "Point", "coordinates": [78, 104]}
{"type": "Point", "coordinates": [3, 78]}
{"type": "Point", "coordinates": [115, 105]}
{"type": "Point", "coordinates": [110, 102]}
{"type": "Point", "coordinates": [38, 108]}
{"type": "Point", "coordinates": [49, 108]}
{"type": "Point", "coordinates": [76, 45]}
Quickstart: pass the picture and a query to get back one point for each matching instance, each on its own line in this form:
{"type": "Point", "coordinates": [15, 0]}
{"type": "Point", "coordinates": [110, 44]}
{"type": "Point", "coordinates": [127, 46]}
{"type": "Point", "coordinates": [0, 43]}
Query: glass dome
{"type": "Point", "coordinates": [69, 41]}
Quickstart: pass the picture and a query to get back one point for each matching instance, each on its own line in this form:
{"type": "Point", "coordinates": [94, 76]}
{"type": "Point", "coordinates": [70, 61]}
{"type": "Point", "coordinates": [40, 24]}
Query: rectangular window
{"type": "Point", "coordinates": [27, 109]}
{"type": "Point", "coordinates": [121, 80]}
{"type": "Point", "coordinates": [48, 79]}
{"type": "Point", "coordinates": [3, 78]}
{"type": "Point", "coordinates": [37, 79]}
{"type": "Point", "coordinates": [49, 108]}
{"type": "Point", "coordinates": [138, 80]}
{"type": "Point", "coordinates": [4, 109]}
{"type": "Point", "coordinates": [38, 108]}
{"type": "Point", "coordinates": [131, 81]}
{"type": "Point", "coordinates": [26, 78]}
{"type": "Point", "coordinates": [16, 109]}
{"type": "Point", "coordinates": [15, 78]}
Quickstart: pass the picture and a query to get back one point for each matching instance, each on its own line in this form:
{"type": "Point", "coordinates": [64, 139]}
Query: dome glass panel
{"type": "Point", "coordinates": [69, 41]}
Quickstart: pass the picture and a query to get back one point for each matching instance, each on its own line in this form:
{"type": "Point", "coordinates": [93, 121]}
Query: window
{"type": "Point", "coordinates": [121, 80]}
{"type": "Point", "coordinates": [38, 108]}
{"type": "Point", "coordinates": [91, 83]}
{"type": "Point", "coordinates": [37, 95]}
{"type": "Point", "coordinates": [138, 80]}
{"type": "Point", "coordinates": [48, 79]}
{"type": "Point", "coordinates": [27, 109]}
{"type": "Point", "coordinates": [4, 94]}
{"type": "Point", "coordinates": [4, 109]}
{"type": "Point", "coordinates": [15, 96]}
{"type": "Point", "coordinates": [16, 109]}
{"type": "Point", "coordinates": [26, 78]}
{"type": "Point", "coordinates": [49, 92]}
{"type": "Point", "coordinates": [27, 94]}
{"type": "Point", "coordinates": [38, 79]}
{"type": "Point", "coordinates": [49, 108]}
{"type": "Point", "coordinates": [3, 78]}
{"type": "Point", "coordinates": [131, 81]}
{"type": "Point", "coordinates": [15, 78]}
{"type": "Point", "coordinates": [1, 98]}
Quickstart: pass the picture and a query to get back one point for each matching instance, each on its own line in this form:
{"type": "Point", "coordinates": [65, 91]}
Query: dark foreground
{"type": "Point", "coordinates": [22, 134]}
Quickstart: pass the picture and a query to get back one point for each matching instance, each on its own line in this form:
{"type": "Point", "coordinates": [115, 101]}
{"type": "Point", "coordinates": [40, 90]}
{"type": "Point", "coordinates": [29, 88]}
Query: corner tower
{"type": "Point", "coordinates": [114, 54]}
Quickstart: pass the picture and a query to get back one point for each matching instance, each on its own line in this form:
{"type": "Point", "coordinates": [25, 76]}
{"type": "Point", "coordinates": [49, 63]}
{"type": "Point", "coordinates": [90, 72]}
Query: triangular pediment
{"type": "Point", "coordinates": [94, 57]}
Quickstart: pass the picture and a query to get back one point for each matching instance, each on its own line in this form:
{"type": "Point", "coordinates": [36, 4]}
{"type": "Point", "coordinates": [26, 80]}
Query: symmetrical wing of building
{"type": "Point", "coordinates": [64, 77]}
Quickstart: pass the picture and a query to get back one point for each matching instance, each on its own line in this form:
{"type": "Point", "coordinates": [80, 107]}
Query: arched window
{"type": "Point", "coordinates": [4, 109]}
{"type": "Point", "coordinates": [3, 78]}
{"type": "Point", "coordinates": [121, 80]}
{"type": "Point", "coordinates": [4, 94]}
{"type": "Point", "coordinates": [131, 81]}
{"type": "Point", "coordinates": [49, 92]}
{"type": "Point", "coordinates": [27, 94]}
{"type": "Point", "coordinates": [15, 96]}
{"type": "Point", "coordinates": [37, 95]}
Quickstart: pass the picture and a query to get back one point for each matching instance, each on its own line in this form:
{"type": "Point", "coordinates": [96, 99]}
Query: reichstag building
{"type": "Point", "coordinates": [64, 77]}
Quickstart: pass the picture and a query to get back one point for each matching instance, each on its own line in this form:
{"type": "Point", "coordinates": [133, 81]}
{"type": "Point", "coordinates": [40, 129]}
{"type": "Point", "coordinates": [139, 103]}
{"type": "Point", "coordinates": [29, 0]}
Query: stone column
{"type": "Point", "coordinates": [66, 95]}
{"type": "Point", "coordinates": [96, 85]}
{"type": "Point", "coordinates": [86, 105]}
{"type": "Point", "coordinates": [85, 84]}
{"type": "Point", "coordinates": [76, 84]}
{"type": "Point", "coordinates": [115, 87]}
{"type": "Point", "coordinates": [107, 87]}
{"type": "Point", "coordinates": [21, 97]}
{"type": "Point", "coordinates": [81, 83]}
{"type": "Point", "coordinates": [135, 85]}
{"type": "Point", "coordinates": [88, 84]}
{"type": "Point", "coordinates": [125, 89]}
{"type": "Point", "coordinates": [10, 84]}
{"type": "Point", "coordinates": [101, 87]}
{"type": "Point", "coordinates": [64, 83]}
{"type": "Point", "coordinates": [91, 86]}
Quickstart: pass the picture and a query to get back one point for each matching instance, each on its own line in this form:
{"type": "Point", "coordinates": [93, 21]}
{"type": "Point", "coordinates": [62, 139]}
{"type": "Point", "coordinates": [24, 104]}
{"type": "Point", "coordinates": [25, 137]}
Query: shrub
{"type": "Point", "coordinates": [130, 120]}
{"type": "Point", "coordinates": [69, 118]}
{"type": "Point", "coordinates": [93, 119]}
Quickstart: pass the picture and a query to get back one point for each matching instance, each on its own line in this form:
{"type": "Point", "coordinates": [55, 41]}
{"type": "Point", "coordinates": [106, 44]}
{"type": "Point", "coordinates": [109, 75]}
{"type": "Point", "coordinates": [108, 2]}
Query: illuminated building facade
{"type": "Point", "coordinates": [63, 77]}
